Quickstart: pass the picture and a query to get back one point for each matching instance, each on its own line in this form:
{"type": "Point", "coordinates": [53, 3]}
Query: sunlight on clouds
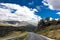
{"type": "Point", "coordinates": [21, 13]}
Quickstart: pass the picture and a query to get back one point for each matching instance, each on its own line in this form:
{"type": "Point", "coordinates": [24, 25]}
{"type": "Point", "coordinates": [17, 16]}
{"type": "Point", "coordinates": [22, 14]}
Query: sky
{"type": "Point", "coordinates": [31, 9]}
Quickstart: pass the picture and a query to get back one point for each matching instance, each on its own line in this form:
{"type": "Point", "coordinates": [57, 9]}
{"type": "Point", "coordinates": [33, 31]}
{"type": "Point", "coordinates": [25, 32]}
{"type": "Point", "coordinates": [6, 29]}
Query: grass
{"type": "Point", "coordinates": [3, 24]}
{"type": "Point", "coordinates": [52, 31]}
{"type": "Point", "coordinates": [18, 34]}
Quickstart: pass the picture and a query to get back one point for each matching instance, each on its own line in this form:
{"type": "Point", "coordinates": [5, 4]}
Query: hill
{"type": "Point", "coordinates": [7, 27]}
{"type": "Point", "coordinates": [50, 29]}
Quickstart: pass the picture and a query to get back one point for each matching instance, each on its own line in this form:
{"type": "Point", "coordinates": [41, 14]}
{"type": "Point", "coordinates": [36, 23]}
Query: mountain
{"type": "Point", "coordinates": [16, 23]}
{"type": "Point", "coordinates": [9, 26]}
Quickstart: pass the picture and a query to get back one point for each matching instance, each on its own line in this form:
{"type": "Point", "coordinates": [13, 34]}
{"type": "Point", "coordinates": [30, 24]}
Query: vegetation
{"type": "Point", "coordinates": [11, 31]}
{"type": "Point", "coordinates": [49, 28]}
{"type": "Point", "coordinates": [45, 27]}
{"type": "Point", "coordinates": [3, 24]}
{"type": "Point", "coordinates": [15, 35]}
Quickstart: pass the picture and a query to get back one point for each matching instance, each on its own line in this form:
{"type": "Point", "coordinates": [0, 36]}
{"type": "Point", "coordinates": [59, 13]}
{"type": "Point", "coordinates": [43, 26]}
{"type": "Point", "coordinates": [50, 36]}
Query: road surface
{"type": "Point", "coordinates": [33, 36]}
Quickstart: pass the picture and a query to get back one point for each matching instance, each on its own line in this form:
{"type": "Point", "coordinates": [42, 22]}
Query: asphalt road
{"type": "Point", "coordinates": [33, 36]}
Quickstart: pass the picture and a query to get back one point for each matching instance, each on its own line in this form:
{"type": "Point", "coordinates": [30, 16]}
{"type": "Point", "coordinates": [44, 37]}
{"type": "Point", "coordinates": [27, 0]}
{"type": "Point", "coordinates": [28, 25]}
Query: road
{"type": "Point", "coordinates": [33, 36]}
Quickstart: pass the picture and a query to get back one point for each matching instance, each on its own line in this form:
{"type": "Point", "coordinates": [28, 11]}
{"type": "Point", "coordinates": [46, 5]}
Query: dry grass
{"type": "Point", "coordinates": [3, 24]}
{"type": "Point", "coordinates": [15, 34]}
{"type": "Point", "coordinates": [52, 31]}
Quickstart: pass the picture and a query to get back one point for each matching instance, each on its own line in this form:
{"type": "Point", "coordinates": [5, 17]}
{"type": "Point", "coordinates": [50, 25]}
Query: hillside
{"type": "Point", "coordinates": [15, 35]}
{"type": "Point", "coordinates": [9, 29]}
{"type": "Point", "coordinates": [47, 28]}
{"type": "Point", "coordinates": [50, 29]}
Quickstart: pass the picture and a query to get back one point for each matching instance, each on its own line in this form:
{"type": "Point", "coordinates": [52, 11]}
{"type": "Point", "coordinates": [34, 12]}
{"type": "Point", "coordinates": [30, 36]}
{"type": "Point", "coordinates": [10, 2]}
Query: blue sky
{"type": "Point", "coordinates": [43, 10]}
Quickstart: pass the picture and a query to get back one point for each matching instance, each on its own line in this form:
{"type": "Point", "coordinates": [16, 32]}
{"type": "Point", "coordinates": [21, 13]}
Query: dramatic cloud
{"type": "Point", "coordinates": [9, 12]}
{"type": "Point", "coordinates": [52, 4]}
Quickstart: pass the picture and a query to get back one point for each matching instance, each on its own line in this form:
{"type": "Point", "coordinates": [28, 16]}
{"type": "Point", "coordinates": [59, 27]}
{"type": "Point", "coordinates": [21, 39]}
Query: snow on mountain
{"type": "Point", "coordinates": [15, 12]}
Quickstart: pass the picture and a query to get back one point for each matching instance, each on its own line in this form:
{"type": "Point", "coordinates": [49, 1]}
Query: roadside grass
{"type": "Point", "coordinates": [52, 31]}
{"type": "Point", "coordinates": [19, 35]}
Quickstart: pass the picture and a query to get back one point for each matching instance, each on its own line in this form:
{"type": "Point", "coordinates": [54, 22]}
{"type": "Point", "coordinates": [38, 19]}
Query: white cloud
{"type": "Point", "coordinates": [52, 4]}
{"type": "Point", "coordinates": [22, 13]}
{"type": "Point", "coordinates": [51, 18]}
{"type": "Point", "coordinates": [58, 13]}
{"type": "Point", "coordinates": [56, 19]}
